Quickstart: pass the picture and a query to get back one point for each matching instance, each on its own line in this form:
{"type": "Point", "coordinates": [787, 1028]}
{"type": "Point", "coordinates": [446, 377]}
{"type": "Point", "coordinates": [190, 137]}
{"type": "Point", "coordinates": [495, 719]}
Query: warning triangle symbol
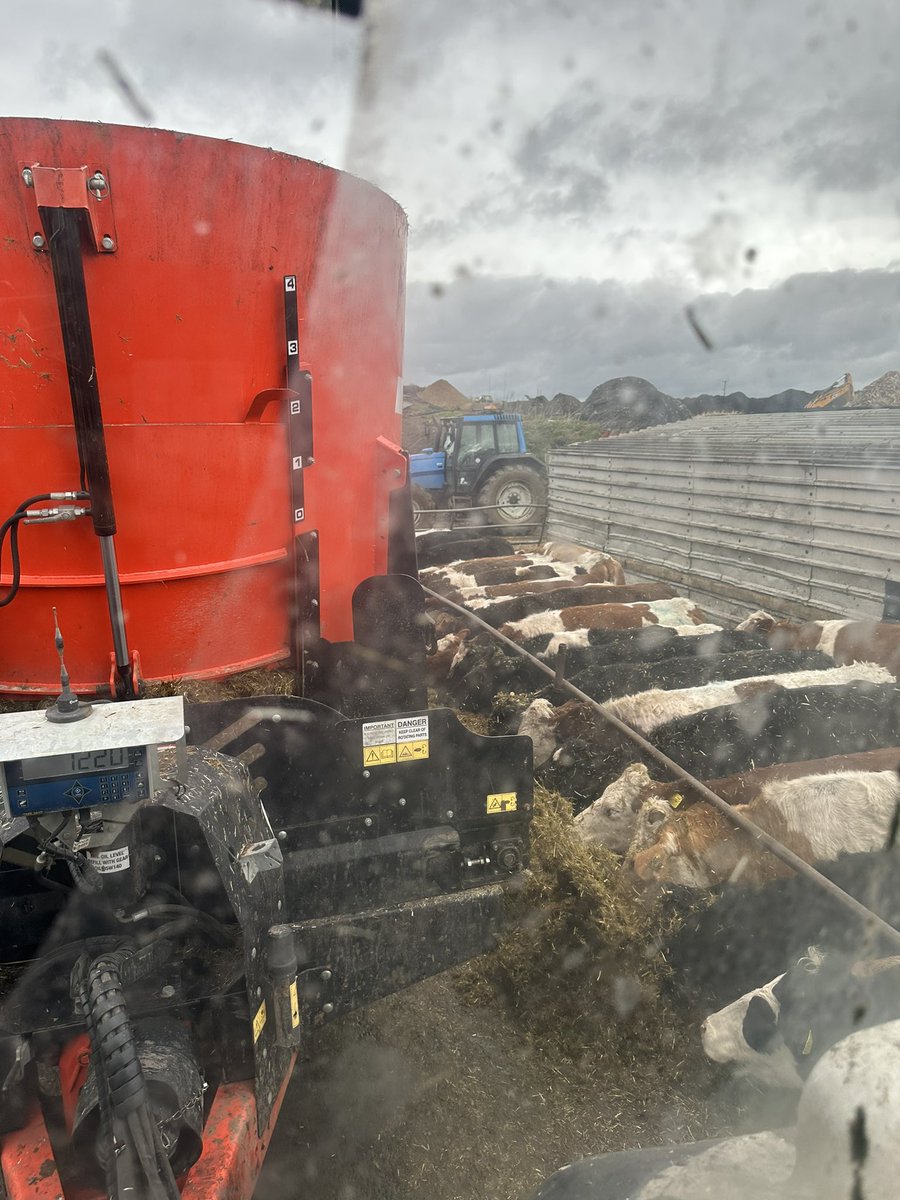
{"type": "Point", "coordinates": [371, 756]}
{"type": "Point", "coordinates": [406, 752]}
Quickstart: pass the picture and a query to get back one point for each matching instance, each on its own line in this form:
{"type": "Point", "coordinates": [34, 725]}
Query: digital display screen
{"type": "Point", "coordinates": [58, 766]}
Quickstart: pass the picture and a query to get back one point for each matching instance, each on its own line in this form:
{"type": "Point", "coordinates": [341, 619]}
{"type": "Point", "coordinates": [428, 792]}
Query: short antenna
{"type": "Point", "coordinates": [67, 707]}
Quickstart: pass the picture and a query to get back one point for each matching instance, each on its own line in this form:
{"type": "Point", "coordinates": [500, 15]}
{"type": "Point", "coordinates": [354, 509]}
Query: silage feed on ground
{"type": "Point", "coordinates": [258, 682]}
{"type": "Point", "coordinates": [579, 969]}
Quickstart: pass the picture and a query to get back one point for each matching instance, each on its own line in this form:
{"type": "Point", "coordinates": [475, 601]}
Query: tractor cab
{"type": "Point", "coordinates": [479, 460]}
{"type": "Point", "coordinates": [470, 443]}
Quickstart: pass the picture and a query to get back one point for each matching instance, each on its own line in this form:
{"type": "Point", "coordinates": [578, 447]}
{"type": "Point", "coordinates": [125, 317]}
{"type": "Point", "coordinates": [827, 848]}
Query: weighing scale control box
{"type": "Point", "coordinates": [111, 756]}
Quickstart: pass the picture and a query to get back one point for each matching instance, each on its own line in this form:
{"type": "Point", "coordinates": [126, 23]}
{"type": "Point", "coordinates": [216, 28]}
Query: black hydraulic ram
{"type": "Point", "coordinates": [64, 241]}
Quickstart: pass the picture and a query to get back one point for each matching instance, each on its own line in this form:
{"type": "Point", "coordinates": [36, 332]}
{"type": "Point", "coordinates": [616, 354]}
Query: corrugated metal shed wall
{"type": "Point", "coordinates": [793, 512]}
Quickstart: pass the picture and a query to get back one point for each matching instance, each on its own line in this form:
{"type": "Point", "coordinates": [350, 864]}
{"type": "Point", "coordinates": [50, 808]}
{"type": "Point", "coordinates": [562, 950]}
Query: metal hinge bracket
{"type": "Point", "coordinates": [85, 188]}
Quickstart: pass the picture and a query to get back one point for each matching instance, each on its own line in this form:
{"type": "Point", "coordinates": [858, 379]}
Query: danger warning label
{"type": "Point", "coordinates": [402, 740]}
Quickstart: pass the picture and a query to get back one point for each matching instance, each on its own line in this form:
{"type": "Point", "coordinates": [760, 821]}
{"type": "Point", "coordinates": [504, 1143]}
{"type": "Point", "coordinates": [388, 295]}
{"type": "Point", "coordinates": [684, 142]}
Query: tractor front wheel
{"type": "Point", "coordinates": [518, 492]}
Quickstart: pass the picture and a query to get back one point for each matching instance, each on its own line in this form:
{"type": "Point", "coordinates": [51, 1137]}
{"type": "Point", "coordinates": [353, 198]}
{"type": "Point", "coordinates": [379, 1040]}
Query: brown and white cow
{"type": "Point", "coordinates": [646, 711]}
{"type": "Point", "coordinates": [468, 575]}
{"type": "Point", "coordinates": [844, 641]}
{"type": "Point", "coordinates": [538, 722]}
{"type": "Point", "coordinates": [630, 813]}
{"type": "Point", "coordinates": [575, 622]}
{"type": "Point", "coordinates": [818, 817]}
{"type": "Point", "coordinates": [438, 664]}
{"type": "Point", "coordinates": [501, 610]}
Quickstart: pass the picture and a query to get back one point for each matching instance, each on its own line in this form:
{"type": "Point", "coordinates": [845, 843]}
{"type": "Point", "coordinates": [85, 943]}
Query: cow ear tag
{"type": "Point", "coordinates": [677, 800]}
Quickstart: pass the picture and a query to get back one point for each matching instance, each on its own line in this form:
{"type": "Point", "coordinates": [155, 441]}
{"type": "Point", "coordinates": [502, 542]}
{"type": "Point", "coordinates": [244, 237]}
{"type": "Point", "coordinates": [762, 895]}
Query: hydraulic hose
{"type": "Point", "coordinates": [142, 1168]}
{"type": "Point", "coordinates": [11, 526]}
{"type": "Point", "coordinates": [187, 912]}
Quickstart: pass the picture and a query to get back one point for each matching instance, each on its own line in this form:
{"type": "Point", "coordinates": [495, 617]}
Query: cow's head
{"type": "Point", "coordinates": [758, 622]}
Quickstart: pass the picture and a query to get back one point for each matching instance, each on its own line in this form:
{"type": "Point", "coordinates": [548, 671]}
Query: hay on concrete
{"type": "Point", "coordinates": [506, 711]}
{"type": "Point", "coordinates": [247, 683]}
{"type": "Point", "coordinates": [475, 722]}
{"type": "Point", "coordinates": [259, 682]}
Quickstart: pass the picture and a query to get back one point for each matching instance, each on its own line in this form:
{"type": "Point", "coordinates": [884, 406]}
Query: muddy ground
{"type": "Point", "coordinates": [479, 1083]}
{"type": "Point", "coordinates": [426, 1095]}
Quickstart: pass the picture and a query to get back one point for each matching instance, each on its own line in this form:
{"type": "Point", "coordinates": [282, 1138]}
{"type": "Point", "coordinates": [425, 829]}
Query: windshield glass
{"type": "Point", "coordinates": [531, 812]}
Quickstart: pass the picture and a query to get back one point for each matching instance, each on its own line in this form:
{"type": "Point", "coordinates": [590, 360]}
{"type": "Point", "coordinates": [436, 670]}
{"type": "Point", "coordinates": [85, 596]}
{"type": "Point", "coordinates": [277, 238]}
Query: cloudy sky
{"type": "Point", "coordinates": [577, 175]}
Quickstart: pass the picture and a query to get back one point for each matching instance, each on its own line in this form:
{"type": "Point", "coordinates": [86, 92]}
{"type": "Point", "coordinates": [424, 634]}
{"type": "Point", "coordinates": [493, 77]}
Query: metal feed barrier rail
{"type": "Point", "coordinates": [519, 532]}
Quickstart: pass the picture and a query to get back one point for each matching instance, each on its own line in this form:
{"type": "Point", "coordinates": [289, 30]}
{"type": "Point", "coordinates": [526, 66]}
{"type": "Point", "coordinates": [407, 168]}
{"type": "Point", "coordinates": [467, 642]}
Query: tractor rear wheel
{"type": "Point", "coordinates": [519, 493]}
{"type": "Point", "coordinates": [422, 506]}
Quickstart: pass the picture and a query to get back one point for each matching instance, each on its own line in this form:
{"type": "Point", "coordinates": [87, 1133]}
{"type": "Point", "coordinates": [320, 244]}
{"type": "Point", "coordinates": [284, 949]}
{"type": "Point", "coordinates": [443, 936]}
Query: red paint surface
{"type": "Point", "coordinates": [29, 1169]}
{"type": "Point", "coordinates": [227, 1169]}
{"type": "Point", "coordinates": [233, 1153]}
{"type": "Point", "coordinates": [74, 1063]}
{"type": "Point", "coordinates": [187, 320]}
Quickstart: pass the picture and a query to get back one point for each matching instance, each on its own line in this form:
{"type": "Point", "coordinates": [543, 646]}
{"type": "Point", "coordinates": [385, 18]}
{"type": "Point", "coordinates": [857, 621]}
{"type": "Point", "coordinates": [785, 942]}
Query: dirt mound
{"type": "Point", "coordinates": [791, 400]}
{"type": "Point", "coordinates": [622, 405]}
{"type": "Point", "coordinates": [422, 407]}
{"type": "Point", "coordinates": [883, 392]}
{"type": "Point", "coordinates": [560, 407]}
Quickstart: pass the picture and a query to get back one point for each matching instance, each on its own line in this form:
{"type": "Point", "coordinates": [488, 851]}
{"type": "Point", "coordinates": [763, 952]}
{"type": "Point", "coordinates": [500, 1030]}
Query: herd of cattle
{"type": "Point", "coordinates": [797, 725]}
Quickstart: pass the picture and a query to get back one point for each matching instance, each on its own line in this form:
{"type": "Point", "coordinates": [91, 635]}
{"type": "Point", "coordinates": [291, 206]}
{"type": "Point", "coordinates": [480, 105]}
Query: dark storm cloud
{"type": "Point", "coordinates": [854, 146]}
{"type": "Point", "coordinates": [527, 336]}
{"type": "Point", "coordinates": [559, 164]}
{"type": "Point", "coordinates": [540, 123]}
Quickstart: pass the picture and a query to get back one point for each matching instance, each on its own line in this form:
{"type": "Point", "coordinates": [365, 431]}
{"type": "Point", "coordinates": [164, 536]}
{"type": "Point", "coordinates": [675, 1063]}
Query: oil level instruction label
{"type": "Point", "coordinates": [402, 740]}
{"type": "Point", "coordinates": [110, 862]}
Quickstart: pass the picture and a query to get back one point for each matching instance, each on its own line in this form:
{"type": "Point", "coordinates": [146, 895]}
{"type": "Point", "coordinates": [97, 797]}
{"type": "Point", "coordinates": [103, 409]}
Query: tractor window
{"type": "Point", "coordinates": [476, 440]}
{"type": "Point", "coordinates": [507, 438]}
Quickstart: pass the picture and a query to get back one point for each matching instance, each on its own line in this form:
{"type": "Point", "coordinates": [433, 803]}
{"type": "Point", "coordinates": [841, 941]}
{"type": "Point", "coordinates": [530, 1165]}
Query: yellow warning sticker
{"type": "Point", "coordinates": [375, 756]}
{"type": "Point", "coordinates": [677, 800]}
{"type": "Point", "coordinates": [295, 1006]}
{"type": "Point", "coordinates": [502, 802]}
{"type": "Point", "coordinates": [410, 750]}
{"type": "Point", "coordinates": [259, 1021]}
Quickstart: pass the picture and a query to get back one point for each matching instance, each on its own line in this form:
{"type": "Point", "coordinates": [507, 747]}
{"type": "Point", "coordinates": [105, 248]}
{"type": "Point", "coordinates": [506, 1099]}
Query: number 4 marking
{"type": "Point", "coordinates": [290, 283]}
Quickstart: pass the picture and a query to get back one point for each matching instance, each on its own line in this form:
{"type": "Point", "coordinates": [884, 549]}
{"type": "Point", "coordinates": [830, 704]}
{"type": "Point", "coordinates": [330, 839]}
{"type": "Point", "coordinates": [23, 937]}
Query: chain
{"type": "Point", "coordinates": [196, 1099]}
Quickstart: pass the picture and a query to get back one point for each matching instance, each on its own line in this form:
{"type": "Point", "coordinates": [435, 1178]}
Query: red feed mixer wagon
{"type": "Point", "coordinates": [200, 348]}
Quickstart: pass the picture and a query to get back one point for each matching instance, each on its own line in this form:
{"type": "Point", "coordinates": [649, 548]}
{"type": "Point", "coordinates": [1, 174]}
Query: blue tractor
{"type": "Point", "coordinates": [479, 460]}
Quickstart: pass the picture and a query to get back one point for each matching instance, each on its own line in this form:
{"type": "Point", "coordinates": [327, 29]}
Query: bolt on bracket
{"type": "Point", "coordinates": [70, 187]}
